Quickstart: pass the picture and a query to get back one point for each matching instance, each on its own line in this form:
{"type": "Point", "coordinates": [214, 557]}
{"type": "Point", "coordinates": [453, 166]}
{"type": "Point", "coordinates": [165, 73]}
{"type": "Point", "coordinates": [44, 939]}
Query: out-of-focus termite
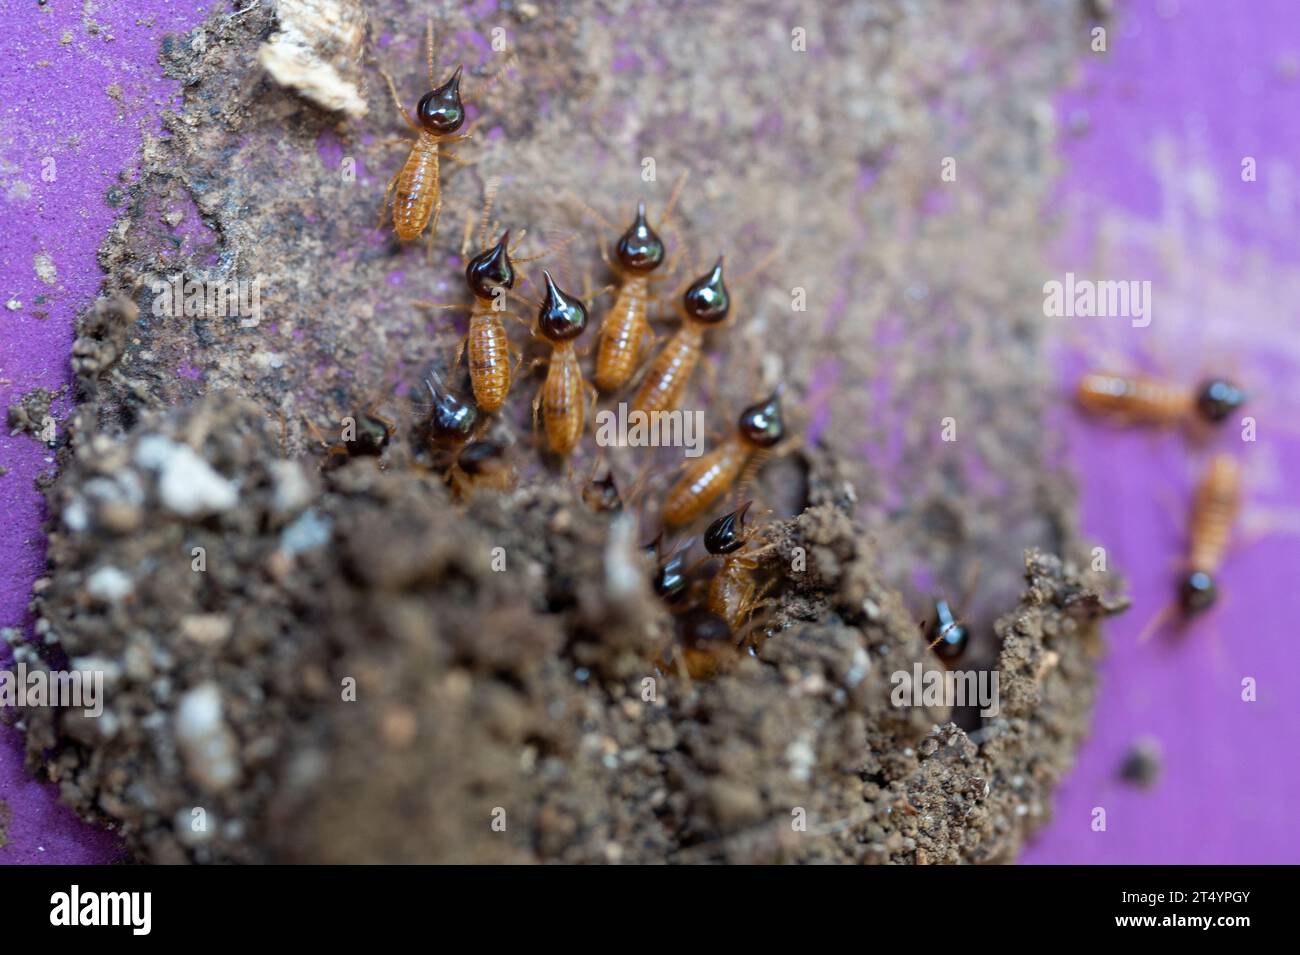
{"type": "Point", "coordinates": [948, 636]}
{"type": "Point", "coordinates": [366, 435]}
{"type": "Point", "coordinates": [1214, 510]}
{"type": "Point", "coordinates": [734, 592]}
{"type": "Point", "coordinates": [1133, 399]}
{"type": "Point", "coordinates": [626, 328]}
{"type": "Point", "coordinates": [706, 303]}
{"type": "Point", "coordinates": [709, 476]}
{"type": "Point", "coordinates": [562, 399]}
{"type": "Point", "coordinates": [415, 192]}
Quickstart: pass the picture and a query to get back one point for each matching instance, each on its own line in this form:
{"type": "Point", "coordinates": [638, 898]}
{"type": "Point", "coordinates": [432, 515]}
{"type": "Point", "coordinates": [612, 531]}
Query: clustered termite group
{"type": "Point", "coordinates": [1140, 400]}
{"type": "Point", "coordinates": [454, 430]}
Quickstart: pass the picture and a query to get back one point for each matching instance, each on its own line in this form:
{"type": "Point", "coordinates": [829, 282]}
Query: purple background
{"type": "Point", "coordinates": [1153, 142]}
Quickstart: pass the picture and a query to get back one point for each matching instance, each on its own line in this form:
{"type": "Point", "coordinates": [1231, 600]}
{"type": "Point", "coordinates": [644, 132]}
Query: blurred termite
{"type": "Point", "coordinates": [734, 591]}
{"type": "Point", "coordinates": [365, 435]}
{"type": "Point", "coordinates": [1214, 511]}
{"type": "Point", "coordinates": [414, 194]}
{"type": "Point", "coordinates": [706, 643]}
{"type": "Point", "coordinates": [625, 333]}
{"type": "Point", "coordinates": [709, 476]}
{"type": "Point", "coordinates": [562, 399]}
{"type": "Point", "coordinates": [948, 636]}
{"type": "Point", "coordinates": [1134, 399]}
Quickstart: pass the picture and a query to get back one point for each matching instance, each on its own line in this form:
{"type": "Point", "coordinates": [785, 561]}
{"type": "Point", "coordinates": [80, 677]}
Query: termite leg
{"type": "Point", "coordinates": [388, 199]}
{"type": "Point", "coordinates": [397, 100]}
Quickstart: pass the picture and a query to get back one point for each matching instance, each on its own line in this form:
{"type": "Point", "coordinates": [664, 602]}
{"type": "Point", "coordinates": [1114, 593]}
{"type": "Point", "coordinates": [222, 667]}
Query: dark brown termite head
{"type": "Point", "coordinates": [726, 535]}
{"type": "Point", "coordinates": [639, 249]}
{"type": "Point", "coordinates": [601, 494]}
{"type": "Point", "coordinates": [440, 111]}
{"type": "Point", "coordinates": [562, 317]}
{"type": "Point", "coordinates": [491, 270]}
{"type": "Point", "coordinates": [670, 579]}
{"type": "Point", "coordinates": [761, 424]}
{"type": "Point", "coordinates": [452, 419]}
{"type": "Point", "coordinates": [707, 301]}
{"type": "Point", "coordinates": [1217, 398]}
{"type": "Point", "coordinates": [1197, 593]}
{"type": "Point", "coordinates": [948, 636]}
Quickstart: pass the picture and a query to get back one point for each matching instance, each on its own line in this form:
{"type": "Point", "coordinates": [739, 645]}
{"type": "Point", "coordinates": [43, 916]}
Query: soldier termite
{"type": "Point", "coordinates": [1133, 399]}
{"type": "Point", "coordinates": [1214, 510]}
{"type": "Point", "coordinates": [734, 591]}
{"type": "Point", "coordinates": [562, 399]}
{"type": "Point", "coordinates": [626, 329]}
{"type": "Point", "coordinates": [705, 303]}
{"type": "Point", "coordinates": [708, 477]}
{"type": "Point", "coordinates": [948, 636]}
{"type": "Point", "coordinates": [490, 276]}
{"type": "Point", "coordinates": [414, 194]}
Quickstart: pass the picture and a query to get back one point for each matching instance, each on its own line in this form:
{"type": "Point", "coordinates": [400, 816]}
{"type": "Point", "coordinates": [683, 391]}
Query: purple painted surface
{"type": "Point", "coordinates": [81, 89]}
{"type": "Point", "coordinates": [1155, 191]}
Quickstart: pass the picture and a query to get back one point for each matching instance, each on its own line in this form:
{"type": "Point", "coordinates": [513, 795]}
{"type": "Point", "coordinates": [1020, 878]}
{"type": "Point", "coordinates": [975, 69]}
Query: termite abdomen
{"type": "Point", "coordinates": [440, 110]}
{"type": "Point", "coordinates": [1217, 398]}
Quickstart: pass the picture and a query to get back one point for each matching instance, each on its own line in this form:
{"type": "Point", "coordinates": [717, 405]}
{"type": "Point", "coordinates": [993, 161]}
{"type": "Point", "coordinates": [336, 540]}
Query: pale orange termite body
{"type": "Point", "coordinates": [666, 378]}
{"type": "Point", "coordinates": [627, 327]}
{"type": "Point", "coordinates": [622, 334]}
{"type": "Point", "coordinates": [1141, 400]}
{"type": "Point", "coordinates": [488, 349]}
{"type": "Point", "coordinates": [705, 303]}
{"type": "Point", "coordinates": [417, 189]}
{"type": "Point", "coordinates": [562, 399]}
{"type": "Point", "coordinates": [1218, 498]}
{"type": "Point", "coordinates": [708, 477]}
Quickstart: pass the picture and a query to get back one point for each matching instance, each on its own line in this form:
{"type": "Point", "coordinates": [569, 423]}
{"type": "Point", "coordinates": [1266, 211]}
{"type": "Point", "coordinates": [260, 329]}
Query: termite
{"type": "Point", "coordinates": [562, 399]}
{"type": "Point", "coordinates": [948, 636]}
{"type": "Point", "coordinates": [1140, 400]}
{"type": "Point", "coordinates": [452, 420]}
{"type": "Point", "coordinates": [734, 593]}
{"type": "Point", "coordinates": [626, 328]}
{"type": "Point", "coordinates": [415, 193]}
{"type": "Point", "coordinates": [1214, 509]}
{"type": "Point", "coordinates": [708, 477]}
{"type": "Point", "coordinates": [705, 304]}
